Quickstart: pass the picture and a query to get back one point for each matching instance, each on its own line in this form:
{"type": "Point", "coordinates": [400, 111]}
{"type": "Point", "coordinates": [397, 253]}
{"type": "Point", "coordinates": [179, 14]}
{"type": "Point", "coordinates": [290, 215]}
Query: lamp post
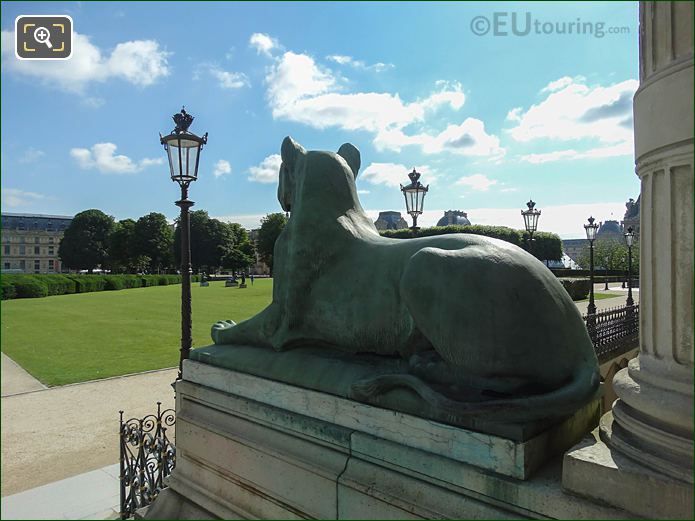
{"type": "Point", "coordinates": [605, 271]}
{"type": "Point", "coordinates": [530, 220]}
{"type": "Point", "coordinates": [629, 239]}
{"type": "Point", "coordinates": [183, 151]}
{"type": "Point", "coordinates": [414, 194]}
{"type": "Point", "coordinates": [591, 230]}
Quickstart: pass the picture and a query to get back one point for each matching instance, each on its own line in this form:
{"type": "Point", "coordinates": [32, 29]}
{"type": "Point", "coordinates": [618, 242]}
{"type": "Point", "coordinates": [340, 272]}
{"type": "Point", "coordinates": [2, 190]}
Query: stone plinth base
{"type": "Point", "coordinates": [594, 470]}
{"type": "Point", "coordinates": [248, 447]}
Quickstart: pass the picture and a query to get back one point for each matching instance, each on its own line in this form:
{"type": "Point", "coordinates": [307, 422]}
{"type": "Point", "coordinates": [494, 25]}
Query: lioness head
{"type": "Point", "coordinates": [293, 155]}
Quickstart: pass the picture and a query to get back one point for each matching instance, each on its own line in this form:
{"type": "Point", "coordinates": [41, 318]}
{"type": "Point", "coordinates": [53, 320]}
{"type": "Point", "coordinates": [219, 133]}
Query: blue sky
{"type": "Point", "coordinates": [490, 120]}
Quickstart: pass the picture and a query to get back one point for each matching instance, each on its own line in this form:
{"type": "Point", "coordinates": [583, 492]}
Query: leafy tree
{"type": "Point", "coordinates": [85, 241]}
{"type": "Point", "coordinates": [211, 240]}
{"type": "Point", "coordinates": [545, 246]}
{"type": "Point", "coordinates": [121, 246]}
{"type": "Point", "coordinates": [611, 254]}
{"type": "Point", "coordinates": [237, 260]}
{"type": "Point", "coordinates": [154, 239]}
{"type": "Point", "coordinates": [271, 227]}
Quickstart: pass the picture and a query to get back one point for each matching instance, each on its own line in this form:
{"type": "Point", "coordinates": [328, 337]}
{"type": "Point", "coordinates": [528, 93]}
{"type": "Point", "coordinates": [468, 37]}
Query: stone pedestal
{"type": "Point", "coordinates": [652, 421]}
{"type": "Point", "coordinates": [248, 447]}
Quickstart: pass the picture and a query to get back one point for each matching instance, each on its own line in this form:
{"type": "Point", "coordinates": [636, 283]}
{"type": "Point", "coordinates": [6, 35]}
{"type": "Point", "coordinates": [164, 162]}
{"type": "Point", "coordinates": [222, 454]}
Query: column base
{"type": "Point", "coordinates": [652, 422]}
{"type": "Point", "coordinates": [594, 470]}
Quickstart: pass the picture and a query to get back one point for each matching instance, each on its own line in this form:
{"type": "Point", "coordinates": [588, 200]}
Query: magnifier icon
{"type": "Point", "coordinates": [43, 35]}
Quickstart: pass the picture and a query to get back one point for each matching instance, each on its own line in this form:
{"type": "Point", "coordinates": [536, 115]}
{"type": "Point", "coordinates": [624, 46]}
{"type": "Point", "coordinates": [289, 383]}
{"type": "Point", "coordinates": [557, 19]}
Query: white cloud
{"type": "Point", "coordinates": [560, 83]}
{"type": "Point", "coordinates": [14, 198]}
{"type": "Point", "coordinates": [102, 157]}
{"type": "Point", "coordinates": [621, 149]}
{"type": "Point", "coordinates": [300, 90]}
{"type": "Point", "coordinates": [469, 138]}
{"type": "Point", "coordinates": [31, 155]}
{"type": "Point", "coordinates": [515, 114]}
{"type": "Point", "coordinates": [393, 174]}
{"type": "Point", "coordinates": [267, 171]}
{"type": "Point", "coordinates": [263, 43]}
{"type": "Point", "coordinates": [222, 167]}
{"type": "Point", "coordinates": [248, 221]}
{"type": "Point", "coordinates": [359, 64]}
{"type": "Point", "coordinates": [477, 182]}
{"type": "Point", "coordinates": [572, 111]}
{"type": "Point", "coordinates": [93, 102]}
{"type": "Point", "coordinates": [139, 62]}
{"type": "Point", "coordinates": [230, 80]}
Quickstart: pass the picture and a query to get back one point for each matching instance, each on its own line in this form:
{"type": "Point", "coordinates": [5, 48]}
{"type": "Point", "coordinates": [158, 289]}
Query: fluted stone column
{"type": "Point", "coordinates": [653, 418]}
{"type": "Point", "coordinates": [645, 463]}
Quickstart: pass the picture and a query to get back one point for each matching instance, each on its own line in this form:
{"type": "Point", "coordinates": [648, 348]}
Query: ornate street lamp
{"type": "Point", "coordinates": [183, 151]}
{"type": "Point", "coordinates": [414, 194]}
{"type": "Point", "coordinates": [531, 216]}
{"type": "Point", "coordinates": [591, 230]}
{"type": "Point", "coordinates": [629, 239]}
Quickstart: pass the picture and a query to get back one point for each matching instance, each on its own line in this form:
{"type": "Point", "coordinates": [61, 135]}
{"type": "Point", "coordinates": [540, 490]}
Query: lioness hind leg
{"type": "Point", "coordinates": [451, 297]}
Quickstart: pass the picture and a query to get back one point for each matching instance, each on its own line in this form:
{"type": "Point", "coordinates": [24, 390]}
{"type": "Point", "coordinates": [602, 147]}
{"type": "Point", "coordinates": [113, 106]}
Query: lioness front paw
{"type": "Point", "coordinates": [220, 329]}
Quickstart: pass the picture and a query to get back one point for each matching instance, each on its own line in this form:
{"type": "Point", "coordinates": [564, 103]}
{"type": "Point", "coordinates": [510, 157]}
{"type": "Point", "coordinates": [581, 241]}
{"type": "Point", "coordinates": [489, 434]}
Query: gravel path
{"type": "Point", "coordinates": [15, 379]}
{"type": "Point", "coordinates": [56, 433]}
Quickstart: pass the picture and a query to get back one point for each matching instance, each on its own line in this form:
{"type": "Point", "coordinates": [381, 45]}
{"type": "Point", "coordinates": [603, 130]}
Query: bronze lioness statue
{"type": "Point", "coordinates": [486, 327]}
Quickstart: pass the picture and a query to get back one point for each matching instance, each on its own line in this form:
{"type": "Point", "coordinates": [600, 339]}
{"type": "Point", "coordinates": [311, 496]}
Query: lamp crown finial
{"type": "Point", "coordinates": [530, 204]}
{"type": "Point", "coordinates": [414, 176]}
{"type": "Point", "coordinates": [183, 120]}
{"type": "Point", "coordinates": [591, 220]}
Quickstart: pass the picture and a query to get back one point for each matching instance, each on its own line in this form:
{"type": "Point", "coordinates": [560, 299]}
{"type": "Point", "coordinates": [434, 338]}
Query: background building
{"type": "Point", "coordinates": [609, 229]}
{"type": "Point", "coordinates": [30, 242]}
{"type": "Point", "coordinates": [390, 221]}
{"type": "Point", "coordinates": [259, 267]}
{"type": "Point", "coordinates": [452, 217]}
{"type": "Point", "coordinates": [631, 217]}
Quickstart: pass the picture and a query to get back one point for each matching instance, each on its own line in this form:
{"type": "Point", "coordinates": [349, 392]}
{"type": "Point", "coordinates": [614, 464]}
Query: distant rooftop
{"type": "Point", "coordinates": [36, 215]}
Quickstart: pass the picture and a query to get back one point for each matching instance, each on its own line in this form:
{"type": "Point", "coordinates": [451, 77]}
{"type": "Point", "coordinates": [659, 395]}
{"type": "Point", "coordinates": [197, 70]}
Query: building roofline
{"type": "Point", "coordinates": [36, 215]}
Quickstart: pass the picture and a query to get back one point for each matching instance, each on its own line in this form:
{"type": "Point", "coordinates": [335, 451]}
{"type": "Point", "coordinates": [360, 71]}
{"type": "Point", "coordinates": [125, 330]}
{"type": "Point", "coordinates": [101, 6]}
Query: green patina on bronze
{"type": "Point", "coordinates": [484, 328]}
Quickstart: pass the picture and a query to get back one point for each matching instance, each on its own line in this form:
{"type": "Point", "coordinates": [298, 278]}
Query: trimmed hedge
{"type": "Point", "coordinates": [8, 290]}
{"type": "Point", "coordinates": [577, 288]}
{"type": "Point", "coordinates": [545, 245]}
{"type": "Point", "coordinates": [497, 232]}
{"type": "Point", "coordinates": [33, 286]}
{"type": "Point", "coordinates": [27, 286]}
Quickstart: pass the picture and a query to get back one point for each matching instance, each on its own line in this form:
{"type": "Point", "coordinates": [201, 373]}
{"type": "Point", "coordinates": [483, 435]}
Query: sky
{"type": "Point", "coordinates": [493, 102]}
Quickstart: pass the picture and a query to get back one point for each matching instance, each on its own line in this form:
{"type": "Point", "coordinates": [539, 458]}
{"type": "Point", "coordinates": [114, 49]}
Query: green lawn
{"type": "Point", "coordinates": [601, 296]}
{"type": "Point", "coordinates": [73, 338]}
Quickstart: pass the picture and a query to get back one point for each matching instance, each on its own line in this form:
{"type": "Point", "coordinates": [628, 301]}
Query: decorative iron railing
{"type": "Point", "coordinates": [614, 331]}
{"type": "Point", "coordinates": [147, 457]}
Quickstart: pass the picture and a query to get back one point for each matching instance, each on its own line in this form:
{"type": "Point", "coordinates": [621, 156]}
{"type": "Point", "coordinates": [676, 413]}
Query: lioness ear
{"type": "Point", "coordinates": [290, 150]}
{"type": "Point", "coordinates": [351, 155]}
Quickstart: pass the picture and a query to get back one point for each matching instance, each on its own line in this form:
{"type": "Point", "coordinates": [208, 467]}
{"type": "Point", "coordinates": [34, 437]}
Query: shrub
{"type": "Point", "coordinates": [29, 287]}
{"type": "Point", "coordinates": [162, 280]}
{"type": "Point", "coordinates": [577, 288]}
{"type": "Point", "coordinates": [88, 283]}
{"type": "Point", "coordinates": [114, 282]}
{"type": "Point", "coordinates": [57, 284]}
{"type": "Point", "coordinates": [131, 281]}
{"type": "Point", "coordinates": [8, 289]}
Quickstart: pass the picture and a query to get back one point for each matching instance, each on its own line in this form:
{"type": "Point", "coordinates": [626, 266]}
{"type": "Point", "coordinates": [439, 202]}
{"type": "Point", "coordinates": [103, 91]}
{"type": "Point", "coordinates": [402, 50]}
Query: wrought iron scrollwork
{"type": "Point", "coordinates": [147, 457]}
{"type": "Point", "coordinates": [613, 331]}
